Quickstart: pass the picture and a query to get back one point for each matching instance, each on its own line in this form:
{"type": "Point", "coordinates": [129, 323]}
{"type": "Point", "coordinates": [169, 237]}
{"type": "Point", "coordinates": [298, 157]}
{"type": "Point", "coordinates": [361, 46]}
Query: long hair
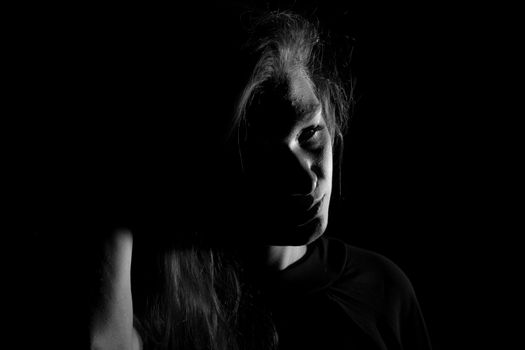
{"type": "Point", "coordinates": [198, 302]}
{"type": "Point", "coordinates": [185, 310]}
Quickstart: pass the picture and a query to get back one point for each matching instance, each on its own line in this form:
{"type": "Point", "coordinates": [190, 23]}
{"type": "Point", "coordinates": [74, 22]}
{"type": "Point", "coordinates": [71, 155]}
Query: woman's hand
{"type": "Point", "coordinates": [112, 320]}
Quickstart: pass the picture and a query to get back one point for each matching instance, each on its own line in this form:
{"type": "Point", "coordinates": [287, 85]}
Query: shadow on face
{"type": "Point", "coordinates": [288, 163]}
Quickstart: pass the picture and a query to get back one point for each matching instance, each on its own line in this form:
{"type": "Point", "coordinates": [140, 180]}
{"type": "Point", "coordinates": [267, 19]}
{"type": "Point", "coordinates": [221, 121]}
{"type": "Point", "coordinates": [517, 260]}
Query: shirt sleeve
{"type": "Point", "coordinates": [413, 333]}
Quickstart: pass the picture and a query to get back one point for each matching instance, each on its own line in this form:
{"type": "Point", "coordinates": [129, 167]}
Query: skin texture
{"type": "Point", "coordinates": [288, 168]}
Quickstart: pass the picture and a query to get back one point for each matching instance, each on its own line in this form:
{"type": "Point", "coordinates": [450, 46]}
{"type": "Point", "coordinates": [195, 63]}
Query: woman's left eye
{"type": "Point", "coordinates": [310, 133]}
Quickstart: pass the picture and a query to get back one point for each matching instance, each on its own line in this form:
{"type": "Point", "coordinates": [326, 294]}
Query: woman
{"type": "Point", "coordinates": [321, 292]}
{"type": "Point", "coordinates": [294, 287]}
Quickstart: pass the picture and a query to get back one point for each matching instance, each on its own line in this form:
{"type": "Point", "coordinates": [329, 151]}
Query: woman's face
{"type": "Point", "coordinates": [288, 163]}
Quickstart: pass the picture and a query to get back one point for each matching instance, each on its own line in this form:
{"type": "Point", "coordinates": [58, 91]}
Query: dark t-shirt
{"type": "Point", "coordinates": [341, 297]}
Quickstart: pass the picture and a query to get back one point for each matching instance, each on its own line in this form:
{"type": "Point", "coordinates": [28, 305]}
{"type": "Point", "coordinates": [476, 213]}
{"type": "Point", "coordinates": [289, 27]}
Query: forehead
{"type": "Point", "coordinates": [284, 104]}
{"type": "Point", "coordinates": [302, 93]}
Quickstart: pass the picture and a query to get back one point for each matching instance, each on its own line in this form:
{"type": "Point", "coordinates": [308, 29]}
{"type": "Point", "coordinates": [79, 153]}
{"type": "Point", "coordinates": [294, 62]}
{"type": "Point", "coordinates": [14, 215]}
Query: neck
{"type": "Point", "coordinates": [280, 257]}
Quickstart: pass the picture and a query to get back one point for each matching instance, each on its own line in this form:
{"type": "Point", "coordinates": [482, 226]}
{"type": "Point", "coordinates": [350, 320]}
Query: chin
{"type": "Point", "coordinates": [299, 236]}
{"type": "Point", "coordinates": [317, 231]}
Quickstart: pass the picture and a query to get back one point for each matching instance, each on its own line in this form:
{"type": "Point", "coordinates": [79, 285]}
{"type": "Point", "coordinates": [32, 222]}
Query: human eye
{"type": "Point", "coordinates": [311, 135]}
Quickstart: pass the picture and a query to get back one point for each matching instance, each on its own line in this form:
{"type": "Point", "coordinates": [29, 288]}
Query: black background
{"type": "Point", "coordinates": [420, 154]}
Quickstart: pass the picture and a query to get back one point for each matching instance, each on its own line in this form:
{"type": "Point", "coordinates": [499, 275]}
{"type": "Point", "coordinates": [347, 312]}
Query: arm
{"type": "Point", "coordinates": [112, 320]}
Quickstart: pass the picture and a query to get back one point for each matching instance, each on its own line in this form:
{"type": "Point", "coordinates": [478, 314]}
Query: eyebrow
{"type": "Point", "coordinates": [307, 112]}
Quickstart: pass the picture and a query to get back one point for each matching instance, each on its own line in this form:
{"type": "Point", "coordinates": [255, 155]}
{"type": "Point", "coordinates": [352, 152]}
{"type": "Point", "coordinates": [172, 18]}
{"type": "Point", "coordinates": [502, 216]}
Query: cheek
{"type": "Point", "coordinates": [327, 166]}
{"type": "Point", "coordinates": [326, 163]}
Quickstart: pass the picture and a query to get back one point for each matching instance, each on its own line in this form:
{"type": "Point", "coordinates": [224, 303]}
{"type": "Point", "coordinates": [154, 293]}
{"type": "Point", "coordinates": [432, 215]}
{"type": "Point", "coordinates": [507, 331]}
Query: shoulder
{"type": "Point", "coordinates": [363, 263]}
{"type": "Point", "coordinates": [381, 281]}
{"type": "Point", "coordinates": [377, 293]}
{"type": "Point", "coordinates": [378, 267]}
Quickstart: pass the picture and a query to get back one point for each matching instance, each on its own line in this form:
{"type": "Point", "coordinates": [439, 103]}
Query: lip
{"type": "Point", "coordinates": [312, 212]}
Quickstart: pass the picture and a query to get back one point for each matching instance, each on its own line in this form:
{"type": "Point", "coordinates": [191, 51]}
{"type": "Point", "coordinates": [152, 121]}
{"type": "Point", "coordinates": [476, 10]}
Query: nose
{"type": "Point", "coordinates": [299, 172]}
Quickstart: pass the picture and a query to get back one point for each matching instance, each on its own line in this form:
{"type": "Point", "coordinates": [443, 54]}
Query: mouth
{"type": "Point", "coordinates": [312, 212]}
